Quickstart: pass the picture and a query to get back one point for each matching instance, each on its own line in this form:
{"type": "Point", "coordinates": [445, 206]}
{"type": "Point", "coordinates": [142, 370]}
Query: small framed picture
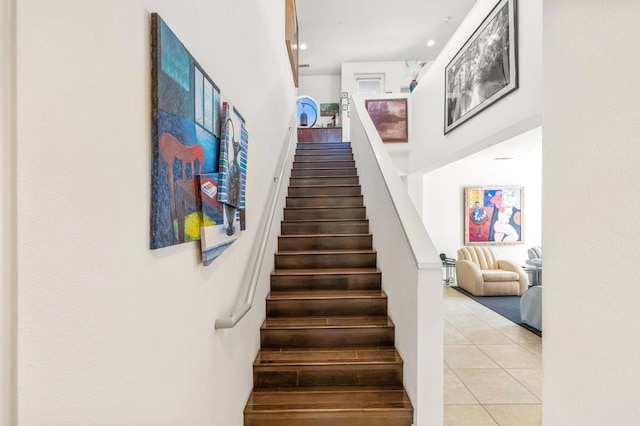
{"type": "Point", "coordinates": [345, 107]}
{"type": "Point", "coordinates": [345, 95]}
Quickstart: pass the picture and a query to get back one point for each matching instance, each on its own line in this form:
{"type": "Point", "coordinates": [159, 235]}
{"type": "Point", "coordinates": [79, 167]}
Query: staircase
{"type": "Point", "coordinates": [327, 352]}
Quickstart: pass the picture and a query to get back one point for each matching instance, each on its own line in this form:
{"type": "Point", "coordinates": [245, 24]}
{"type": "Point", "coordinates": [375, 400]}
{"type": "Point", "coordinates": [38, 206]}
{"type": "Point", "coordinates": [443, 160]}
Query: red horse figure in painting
{"type": "Point", "coordinates": [170, 149]}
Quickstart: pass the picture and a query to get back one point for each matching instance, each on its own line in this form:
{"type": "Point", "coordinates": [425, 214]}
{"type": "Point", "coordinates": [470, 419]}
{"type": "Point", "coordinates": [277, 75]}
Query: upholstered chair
{"type": "Point", "coordinates": [481, 273]}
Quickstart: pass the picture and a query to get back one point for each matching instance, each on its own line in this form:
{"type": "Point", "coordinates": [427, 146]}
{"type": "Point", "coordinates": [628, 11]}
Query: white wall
{"type": "Point", "coordinates": [7, 214]}
{"type": "Point", "coordinates": [323, 88]}
{"type": "Point", "coordinates": [517, 112]}
{"type": "Point", "coordinates": [591, 198]}
{"type": "Point", "coordinates": [110, 332]}
{"type": "Point", "coordinates": [443, 196]}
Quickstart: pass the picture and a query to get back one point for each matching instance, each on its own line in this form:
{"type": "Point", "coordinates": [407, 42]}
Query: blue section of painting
{"type": "Point", "coordinates": [175, 60]}
{"type": "Point", "coordinates": [209, 256]}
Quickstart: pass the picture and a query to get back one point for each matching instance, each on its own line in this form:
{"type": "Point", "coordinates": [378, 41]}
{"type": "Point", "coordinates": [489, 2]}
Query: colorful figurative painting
{"type": "Point", "coordinates": [233, 157]}
{"type": "Point", "coordinates": [390, 118]}
{"type": "Point", "coordinates": [494, 215]}
{"type": "Point", "coordinates": [185, 137]}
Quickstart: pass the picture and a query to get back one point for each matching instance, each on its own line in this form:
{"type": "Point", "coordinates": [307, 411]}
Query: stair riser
{"type": "Point", "coordinates": [324, 156]}
{"type": "Point", "coordinates": [291, 243]}
{"type": "Point", "coordinates": [346, 227]}
{"type": "Point", "coordinates": [327, 307]}
{"type": "Point", "coordinates": [323, 164]}
{"type": "Point", "coordinates": [326, 338]}
{"type": "Point", "coordinates": [326, 213]}
{"type": "Point", "coordinates": [330, 375]}
{"type": "Point", "coordinates": [339, 260]}
{"type": "Point", "coordinates": [353, 180]}
{"type": "Point", "coordinates": [331, 418]}
{"type": "Point", "coordinates": [338, 151]}
{"type": "Point", "coordinates": [345, 201]}
{"type": "Point", "coordinates": [326, 282]}
{"type": "Point", "coordinates": [352, 171]}
{"type": "Point", "coordinates": [323, 145]}
{"type": "Point", "coordinates": [297, 191]}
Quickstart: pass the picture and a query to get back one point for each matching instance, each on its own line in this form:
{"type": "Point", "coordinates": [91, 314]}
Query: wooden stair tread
{"type": "Point", "coordinates": [326, 271]}
{"type": "Point", "coordinates": [325, 251]}
{"type": "Point", "coordinates": [327, 356]}
{"type": "Point", "coordinates": [326, 322]}
{"type": "Point", "coordinates": [323, 220]}
{"type": "Point", "coordinates": [356, 398]}
{"type": "Point", "coordinates": [325, 294]}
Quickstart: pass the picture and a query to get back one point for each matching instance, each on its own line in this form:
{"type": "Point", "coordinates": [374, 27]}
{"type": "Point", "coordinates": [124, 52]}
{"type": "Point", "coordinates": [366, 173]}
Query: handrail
{"type": "Point", "coordinates": [241, 311]}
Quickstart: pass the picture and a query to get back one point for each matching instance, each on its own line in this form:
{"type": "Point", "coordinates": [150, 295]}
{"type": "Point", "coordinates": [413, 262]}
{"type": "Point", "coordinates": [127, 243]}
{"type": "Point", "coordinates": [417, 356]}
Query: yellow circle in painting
{"type": "Point", "coordinates": [192, 224]}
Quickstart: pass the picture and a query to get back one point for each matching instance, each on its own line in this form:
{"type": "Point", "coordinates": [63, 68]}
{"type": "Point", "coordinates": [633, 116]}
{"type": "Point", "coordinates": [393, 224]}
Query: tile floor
{"type": "Point", "coordinates": [492, 367]}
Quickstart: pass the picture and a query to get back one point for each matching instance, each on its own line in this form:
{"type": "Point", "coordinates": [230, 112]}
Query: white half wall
{"type": "Point", "coordinates": [518, 112]}
{"type": "Point", "coordinates": [591, 198]}
{"type": "Point", "coordinates": [110, 332]}
{"type": "Point", "coordinates": [443, 194]}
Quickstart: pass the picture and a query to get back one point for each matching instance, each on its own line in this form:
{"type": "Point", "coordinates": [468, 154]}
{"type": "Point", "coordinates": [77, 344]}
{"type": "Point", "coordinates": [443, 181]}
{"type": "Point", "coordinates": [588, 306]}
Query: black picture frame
{"type": "Point", "coordinates": [485, 69]}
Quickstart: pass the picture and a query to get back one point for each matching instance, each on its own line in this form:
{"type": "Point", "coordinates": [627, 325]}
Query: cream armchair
{"type": "Point", "coordinates": [480, 273]}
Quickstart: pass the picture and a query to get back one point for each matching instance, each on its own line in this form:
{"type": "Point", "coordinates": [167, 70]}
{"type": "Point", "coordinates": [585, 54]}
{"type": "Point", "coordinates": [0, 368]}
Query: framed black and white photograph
{"type": "Point", "coordinates": [485, 69]}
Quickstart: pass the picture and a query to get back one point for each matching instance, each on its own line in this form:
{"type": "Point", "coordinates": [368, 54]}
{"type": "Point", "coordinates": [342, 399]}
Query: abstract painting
{"type": "Point", "coordinates": [390, 118]}
{"type": "Point", "coordinates": [493, 215]}
{"type": "Point", "coordinates": [485, 69]}
{"type": "Point", "coordinates": [185, 137]}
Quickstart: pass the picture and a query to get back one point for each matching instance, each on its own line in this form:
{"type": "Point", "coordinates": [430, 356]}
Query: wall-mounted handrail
{"type": "Point", "coordinates": [256, 260]}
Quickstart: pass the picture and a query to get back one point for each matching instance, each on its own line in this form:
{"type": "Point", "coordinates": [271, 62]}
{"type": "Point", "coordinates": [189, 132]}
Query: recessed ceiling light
{"type": "Point", "coordinates": [431, 43]}
{"type": "Point", "coordinates": [503, 158]}
{"type": "Point", "coordinates": [303, 46]}
{"type": "Point", "coordinates": [447, 18]}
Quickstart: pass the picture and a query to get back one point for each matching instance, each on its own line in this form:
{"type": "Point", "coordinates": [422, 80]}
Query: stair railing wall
{"type": "Point", "coordinates": [273, 203]}
{"type": "Point", "coordinates": [411, 269]}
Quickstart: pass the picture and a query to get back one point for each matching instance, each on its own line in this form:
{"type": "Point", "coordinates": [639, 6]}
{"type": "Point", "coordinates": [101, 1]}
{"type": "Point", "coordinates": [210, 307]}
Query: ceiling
{"type": "Point", "coordinates": [337, 31]}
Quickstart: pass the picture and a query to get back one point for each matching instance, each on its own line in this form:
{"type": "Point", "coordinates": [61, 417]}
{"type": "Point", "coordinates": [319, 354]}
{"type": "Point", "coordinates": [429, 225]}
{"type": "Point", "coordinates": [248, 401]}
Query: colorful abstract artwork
{"type": "Point", "coordinates": [494, 215]}
{"type": "Point", "coordinates": [390, 118]}
{"type": "Point", "coordinates": [198, 183]}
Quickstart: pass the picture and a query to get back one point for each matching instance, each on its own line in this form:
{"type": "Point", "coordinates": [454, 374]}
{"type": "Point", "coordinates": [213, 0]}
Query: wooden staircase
{"type": "Point", "coordinates": [327, 352]}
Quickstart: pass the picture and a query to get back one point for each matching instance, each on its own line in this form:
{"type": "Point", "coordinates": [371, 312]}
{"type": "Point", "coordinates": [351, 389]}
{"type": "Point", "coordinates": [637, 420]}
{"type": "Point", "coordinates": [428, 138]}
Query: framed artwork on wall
{"type": "Point", "coordinates": [493, 215]}
{"type": "Point", "coordinates": [291, 38]}
{"type": "Point", "coordinates": [329, 110]}
{"type": "Point", "coordinates": [390, 118]}
{"type": "Point", "coordinates": [485, 69]}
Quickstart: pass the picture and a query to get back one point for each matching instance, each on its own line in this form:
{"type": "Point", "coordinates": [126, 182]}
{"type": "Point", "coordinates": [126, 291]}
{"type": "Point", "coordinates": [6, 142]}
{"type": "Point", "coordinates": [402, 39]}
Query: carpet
{"type": "Point", "coordinates": [507, 306]}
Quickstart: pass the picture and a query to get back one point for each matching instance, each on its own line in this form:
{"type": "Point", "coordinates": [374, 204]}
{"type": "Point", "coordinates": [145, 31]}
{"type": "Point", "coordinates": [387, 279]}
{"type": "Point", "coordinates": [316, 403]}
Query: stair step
{"type": "Point", "coordinates": [311, 190]}
{"type": "Point", "coordinates": [347, 171]}
{"type": "Point", "coordinates": [327, 303]}
{"type": "Point", "coordinates": [324, 242]}
{"type": "Point", "coordinates": [372, 366]}
{"type": "Point", "coordinates": [325, 180]}
{"type": "Point", "coordinates": [301, 213]}
{"type": "Point", "coordinates": [326, 279]}
{"type": "Point", "coordinates": [324, 156]}
{"type": "Point", "coordinates": [323, 332]}
{"type": "Point", "coordinates": [325, 201]}
{"type": "Point", "coordinates": [329, 406]}
{"type": "Point", "coordinates": [327, 164]}
{"type": "Point", "coordinates": [323, 145]}
{"type": "Point", "coordinates": [325, 226]}
{"type": "Point", "coordinates": [325, 259]}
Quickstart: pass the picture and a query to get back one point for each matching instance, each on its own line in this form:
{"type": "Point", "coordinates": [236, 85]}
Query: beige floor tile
{"type": "Point", "coordinates": [529, 378]}
{"type": "Point", "coordinates": [467, 415]}
{"type": "Point", "coordinates": [496, 387]}
{"type": "Point", "coordinates": [516, 415]}
{"type": "Point", "coordinates": [453, 337]}
{"type": "Point", "coordinates": [467, 319]}
{"type": "Point", "coordinates": [484, 336]}
{"type": "Point", "coordinates": [455, 392]}
{"type": "Point", "coordinates": [511, 356]}
{"type": "Point", "coordinates": [534, 348]}
{"type": "Point", "coordinates": [519, 334]}
{"type": "Point", "coordinates": [467, 356]}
